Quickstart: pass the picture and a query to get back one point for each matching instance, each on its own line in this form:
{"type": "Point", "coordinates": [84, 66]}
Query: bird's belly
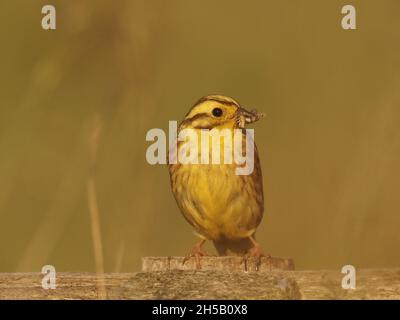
{"type": "Point", "coordinates": [219, 203]}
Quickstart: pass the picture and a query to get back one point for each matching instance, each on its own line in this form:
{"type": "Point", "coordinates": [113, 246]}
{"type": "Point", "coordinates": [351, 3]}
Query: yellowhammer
{"type": "Point", "coordinates": [221, 205]}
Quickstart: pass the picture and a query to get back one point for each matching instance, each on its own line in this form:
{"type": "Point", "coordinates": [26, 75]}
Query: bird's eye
{"type": "Point", "coordinates": [217, 112]}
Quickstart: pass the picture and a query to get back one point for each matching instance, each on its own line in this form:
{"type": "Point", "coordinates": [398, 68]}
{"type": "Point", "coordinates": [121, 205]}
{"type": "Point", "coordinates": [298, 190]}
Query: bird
{"type": "Point", "coordinates": [221, 206]}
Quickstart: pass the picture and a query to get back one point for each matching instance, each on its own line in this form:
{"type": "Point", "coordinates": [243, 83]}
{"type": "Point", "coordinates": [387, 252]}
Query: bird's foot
{"type": "Point", "coordinates": [196, 253]}
{"type": "Point", "coordinates": [255, 254]}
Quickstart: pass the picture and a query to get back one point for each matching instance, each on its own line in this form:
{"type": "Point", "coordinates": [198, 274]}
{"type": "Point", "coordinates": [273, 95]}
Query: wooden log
{"type": "Point", "coordinates": [69, 286]}
{"type": "Point", "coordinates": [210, 263]}
{"type": "Point", "coordinates": [207, 284]}
{"type": "Point", "coordinates": [371, 284]}
{"type": "Point", "coordinates": [178, 284]}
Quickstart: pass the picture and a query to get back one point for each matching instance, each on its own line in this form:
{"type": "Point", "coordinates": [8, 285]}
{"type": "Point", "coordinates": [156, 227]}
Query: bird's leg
{"type": "Point", "coordinates": [256, 253]}
{"type": "Point", "coordinates": [196, 252]}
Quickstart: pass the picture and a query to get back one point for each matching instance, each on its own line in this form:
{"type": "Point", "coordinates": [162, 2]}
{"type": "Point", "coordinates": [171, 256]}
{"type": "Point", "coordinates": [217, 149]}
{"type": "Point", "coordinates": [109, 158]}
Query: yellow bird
{"type": "Point", "coordinates": [221, 205]}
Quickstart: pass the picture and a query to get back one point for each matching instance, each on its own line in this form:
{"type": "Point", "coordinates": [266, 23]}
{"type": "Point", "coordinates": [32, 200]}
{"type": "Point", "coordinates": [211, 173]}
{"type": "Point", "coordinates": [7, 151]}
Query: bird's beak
{"type": "Point", "coordinates": [247, 117]}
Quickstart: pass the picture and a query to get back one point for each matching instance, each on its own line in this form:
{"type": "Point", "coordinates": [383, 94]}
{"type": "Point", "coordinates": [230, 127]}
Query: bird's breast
{"type": "Point", "coordinates": [216, 201]}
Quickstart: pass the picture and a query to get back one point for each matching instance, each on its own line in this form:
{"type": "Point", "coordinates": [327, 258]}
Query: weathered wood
{"type": "Point", "coordinates": [68, 285]}
{"type": "Point", "coordinates": [371, 284]}
{"type": "Point", "coordinates": [210, 263]}
{"type": "Point", "coordinates": [178, 284]}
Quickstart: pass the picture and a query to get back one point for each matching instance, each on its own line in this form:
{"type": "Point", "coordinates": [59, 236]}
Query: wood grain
{"type": "Point", "coordinates": [231, 263]}
{"type": "Point", "coordinates": [206, 284]}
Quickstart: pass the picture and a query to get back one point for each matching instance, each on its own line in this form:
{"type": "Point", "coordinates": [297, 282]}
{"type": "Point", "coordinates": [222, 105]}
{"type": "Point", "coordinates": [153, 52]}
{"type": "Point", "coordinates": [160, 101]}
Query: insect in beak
{"type": "Point", "coordinates": [247, 117]}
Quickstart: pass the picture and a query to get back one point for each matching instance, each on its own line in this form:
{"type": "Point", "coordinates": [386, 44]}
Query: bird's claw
{"type": "Point", "coordinates": [196, 253]}
{"type": "Point", "coordinates": [255, 253]}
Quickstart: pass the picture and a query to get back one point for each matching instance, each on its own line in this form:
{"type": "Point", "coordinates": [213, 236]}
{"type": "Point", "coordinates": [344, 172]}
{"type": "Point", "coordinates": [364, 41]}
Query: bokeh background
{"type": "Point", "coordinates": [330, 146]}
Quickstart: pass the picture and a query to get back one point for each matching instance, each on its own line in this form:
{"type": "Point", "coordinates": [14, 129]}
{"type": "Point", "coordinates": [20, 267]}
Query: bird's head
{"type": "Point", "coordinates": [219, 112]}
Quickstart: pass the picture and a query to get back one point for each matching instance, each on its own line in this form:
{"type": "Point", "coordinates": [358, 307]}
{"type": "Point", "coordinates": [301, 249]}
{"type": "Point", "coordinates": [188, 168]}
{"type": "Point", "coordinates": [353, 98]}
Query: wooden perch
{"type": "Point", "coordinates": [178, 284]}
{"type": "Point", "coordinates": [227, 264]}
{"type": "Point", "coordinates": [227, 282]}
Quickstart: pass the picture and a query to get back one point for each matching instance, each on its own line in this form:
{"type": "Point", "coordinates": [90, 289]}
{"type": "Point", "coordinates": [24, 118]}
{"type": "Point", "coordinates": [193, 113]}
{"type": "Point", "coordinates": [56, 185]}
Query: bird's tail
{"type": "Point", "coordinates": [227, 247]}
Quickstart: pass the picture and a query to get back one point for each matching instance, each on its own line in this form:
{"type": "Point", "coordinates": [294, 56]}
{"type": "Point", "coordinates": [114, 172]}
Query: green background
{"type": "Point", "coordinates": [330, 145]}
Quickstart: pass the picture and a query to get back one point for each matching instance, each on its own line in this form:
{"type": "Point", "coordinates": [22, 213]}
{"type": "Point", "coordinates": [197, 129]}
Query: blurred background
{"type": "Point", "coordinates": [90, 90]}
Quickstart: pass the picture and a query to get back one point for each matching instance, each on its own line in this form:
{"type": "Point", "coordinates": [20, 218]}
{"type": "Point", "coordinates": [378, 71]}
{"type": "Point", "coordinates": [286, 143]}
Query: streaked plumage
{"type": "Point", "coordinates": [220, 205]}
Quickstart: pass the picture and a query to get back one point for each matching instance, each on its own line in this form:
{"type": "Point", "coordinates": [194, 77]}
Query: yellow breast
{"type": "Point", "coordinates": [216, 201]}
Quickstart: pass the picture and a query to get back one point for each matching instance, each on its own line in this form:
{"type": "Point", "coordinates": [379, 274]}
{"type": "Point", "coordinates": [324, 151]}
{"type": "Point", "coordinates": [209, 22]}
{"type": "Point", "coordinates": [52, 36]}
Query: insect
{"type": "Point", "coordinates": [221, 205]}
